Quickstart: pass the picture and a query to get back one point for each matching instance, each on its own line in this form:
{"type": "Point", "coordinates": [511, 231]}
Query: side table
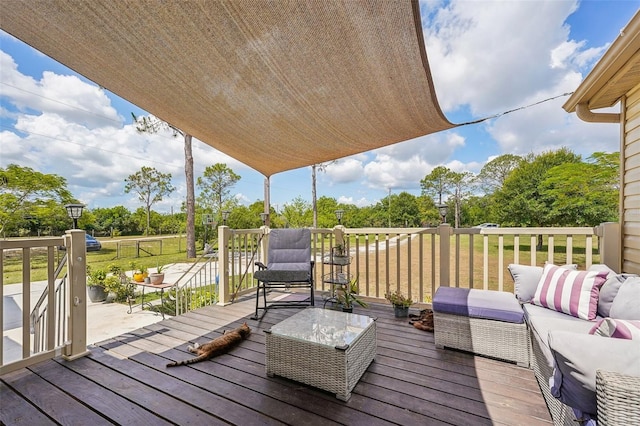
{"type": "Point", "coordinates": [323, 348]}
{"type": "Point", "coordinates": [152, 307]}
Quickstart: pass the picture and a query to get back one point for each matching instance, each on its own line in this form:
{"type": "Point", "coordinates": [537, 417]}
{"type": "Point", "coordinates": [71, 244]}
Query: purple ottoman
{"type": "Point", "coordinates": [484, 322]}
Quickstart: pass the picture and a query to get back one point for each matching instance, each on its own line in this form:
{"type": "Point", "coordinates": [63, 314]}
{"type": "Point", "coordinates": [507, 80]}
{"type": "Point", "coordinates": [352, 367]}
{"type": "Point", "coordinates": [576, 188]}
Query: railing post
{"type": "Point", "coordinates": [264, 249]}
{"type": "Point", "coordinates": [609, 245]}
{"type": "Point", "coordinates": [77, 270]}
{"type": "Point", "coordinates": [444, 231]}
{"type": "Point", "coordinates": [338, 234]}
{"type": "Point", "coordinates": [224, 291]}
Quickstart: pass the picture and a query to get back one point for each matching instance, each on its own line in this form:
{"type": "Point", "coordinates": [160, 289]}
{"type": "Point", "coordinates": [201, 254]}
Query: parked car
{"type": "Point", "coordinates": [92, 244]}
{"type": "Point", "coordinates": [487, 225]}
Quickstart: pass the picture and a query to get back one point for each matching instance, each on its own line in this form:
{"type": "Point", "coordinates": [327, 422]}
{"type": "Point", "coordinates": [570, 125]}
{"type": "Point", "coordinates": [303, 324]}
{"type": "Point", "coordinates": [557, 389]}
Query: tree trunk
{"type": "Point", "coordinates": [190, 205]}
{"type": "Point", "coordinates": [314, 199]}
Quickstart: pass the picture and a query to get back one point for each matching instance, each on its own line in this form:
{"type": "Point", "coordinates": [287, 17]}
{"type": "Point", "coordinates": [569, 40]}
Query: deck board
{"type": "Point", "coordinates": [125, 380]}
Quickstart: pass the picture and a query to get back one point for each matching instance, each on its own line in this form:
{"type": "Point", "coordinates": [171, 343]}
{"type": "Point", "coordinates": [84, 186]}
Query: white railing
{"type": "Point", "coordinates": [416, 261]}
{"type": "Point", "coordinates": [64, 319]}
{"type": "Point", "coordinates": [197, 286]}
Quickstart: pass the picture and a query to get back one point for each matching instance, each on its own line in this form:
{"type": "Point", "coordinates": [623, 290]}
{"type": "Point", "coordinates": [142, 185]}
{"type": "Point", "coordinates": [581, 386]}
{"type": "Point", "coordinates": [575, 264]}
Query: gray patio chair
{"type": "Point", "coordinates": [289, 265]}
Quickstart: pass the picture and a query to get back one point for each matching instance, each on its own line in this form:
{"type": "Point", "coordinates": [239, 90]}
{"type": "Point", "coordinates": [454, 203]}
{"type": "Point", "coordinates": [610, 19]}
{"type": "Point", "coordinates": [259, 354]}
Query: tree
{"type": "Point", "coordinates": [153, 125]}
{"type": "Point", "coordinates": [215, 187]}
{"type": "Point", "coordinates": [23, 189]}
{"type": "Point", "coordinates": [437, 183]}
{"type": "Point", "coordinates": [579, 194]}
{"type": "Point", "coordinates": [151, 186]}
{"type": "Point", "coordinates": [297, 213]}
{"type": "Point", "coordinates": [519, 199]}
{"type": "Point", "coordinates": [460, 183]}
{"type": "Point", "coordinates": [114, 220]}
{"type": "Point", "coordinates": [493, 174]}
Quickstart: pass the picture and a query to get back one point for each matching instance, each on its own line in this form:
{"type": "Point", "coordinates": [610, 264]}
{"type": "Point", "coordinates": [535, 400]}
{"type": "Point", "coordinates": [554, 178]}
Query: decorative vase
{"type": "Point", "coordinates": [401, 311]}
{"type": "Point", "coordinates": [97, 293]}
{"type": "Point", "coordinates": [156, 278]}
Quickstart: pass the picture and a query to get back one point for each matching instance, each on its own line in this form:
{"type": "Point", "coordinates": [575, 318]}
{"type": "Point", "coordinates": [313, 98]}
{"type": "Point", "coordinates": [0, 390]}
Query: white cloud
{"type": "Point", "coordinates": [64, 95]}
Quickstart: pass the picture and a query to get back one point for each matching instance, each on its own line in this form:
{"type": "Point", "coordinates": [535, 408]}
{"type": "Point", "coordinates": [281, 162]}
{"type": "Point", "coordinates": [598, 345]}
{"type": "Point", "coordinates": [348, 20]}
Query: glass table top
{"type": "Point", "coordinates": [323, 326]}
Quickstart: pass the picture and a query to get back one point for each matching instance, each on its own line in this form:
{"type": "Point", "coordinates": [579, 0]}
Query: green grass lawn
{"type": "Point", "coordinates": [120, 251]}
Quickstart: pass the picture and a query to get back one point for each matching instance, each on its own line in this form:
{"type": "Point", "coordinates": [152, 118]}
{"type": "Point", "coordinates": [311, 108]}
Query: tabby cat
{"type": "Point", "coordinates": [218, 346]}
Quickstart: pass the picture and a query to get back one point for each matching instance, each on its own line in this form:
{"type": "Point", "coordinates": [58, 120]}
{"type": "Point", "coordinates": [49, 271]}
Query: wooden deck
{"type": "Point", "coordinates": [125, 381]}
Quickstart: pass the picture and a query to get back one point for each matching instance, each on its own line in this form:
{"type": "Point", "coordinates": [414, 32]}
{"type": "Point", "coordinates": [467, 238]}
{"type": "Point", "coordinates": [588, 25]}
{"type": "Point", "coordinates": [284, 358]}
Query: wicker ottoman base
{"type": "Point", "coordinates": [326, 349]}
{"type": "Point", "coordinates": [498, 339]}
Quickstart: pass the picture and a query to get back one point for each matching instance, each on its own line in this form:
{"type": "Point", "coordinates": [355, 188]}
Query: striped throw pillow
{"type": "Point", "coordinates": [617, 328]}
{"type": "Point", "coordinates": [571, 292]}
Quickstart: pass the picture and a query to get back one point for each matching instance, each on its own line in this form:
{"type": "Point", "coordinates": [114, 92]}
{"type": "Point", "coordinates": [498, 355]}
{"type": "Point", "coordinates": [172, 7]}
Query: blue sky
{"type": "Point", "coordinates": [486, 57]}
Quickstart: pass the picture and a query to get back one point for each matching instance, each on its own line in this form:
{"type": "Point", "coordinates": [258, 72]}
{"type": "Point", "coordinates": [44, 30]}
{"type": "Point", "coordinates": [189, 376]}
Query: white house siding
{"type": "Point", "coordinates": [630, 219]}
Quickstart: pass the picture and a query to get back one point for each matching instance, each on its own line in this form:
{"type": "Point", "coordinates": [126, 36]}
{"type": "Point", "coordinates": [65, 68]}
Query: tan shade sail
{"type": "Point", "coordinates": [275, 84]}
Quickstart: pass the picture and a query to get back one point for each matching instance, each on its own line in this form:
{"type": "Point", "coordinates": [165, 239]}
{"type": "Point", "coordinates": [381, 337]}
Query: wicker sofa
{"type": "Point", "coordinates": [584, 377]}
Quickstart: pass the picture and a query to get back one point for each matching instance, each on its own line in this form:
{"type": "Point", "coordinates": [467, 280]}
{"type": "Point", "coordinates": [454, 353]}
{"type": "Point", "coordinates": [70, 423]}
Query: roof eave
{"type": "Point", "coordinates": [617, 61]}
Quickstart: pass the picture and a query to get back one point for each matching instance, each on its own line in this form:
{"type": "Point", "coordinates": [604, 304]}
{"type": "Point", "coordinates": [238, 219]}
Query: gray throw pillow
{"type": "Point", "coordinates": [608, 290]}
{"type": "Point", "coordinates": [525, 279]}
{"type": "Point", "coordinates": [626, 304]}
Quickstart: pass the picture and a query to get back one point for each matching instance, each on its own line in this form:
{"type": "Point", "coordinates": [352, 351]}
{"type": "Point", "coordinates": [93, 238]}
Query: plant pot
{"type": "Point", "coordinates": [401, 311]}
{"type": "Point", "coordinates": [96, 293]}
{"type": "Point", "coordinates": [156, 278]}
{"type": "Point", "coordinates": [139, 277]}
{"type": "Point", "coordinates": [348, 310]}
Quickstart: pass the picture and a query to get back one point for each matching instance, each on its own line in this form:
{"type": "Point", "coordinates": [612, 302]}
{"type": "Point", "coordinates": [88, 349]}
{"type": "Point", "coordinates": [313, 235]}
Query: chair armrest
{"type": "Point", "coordinates": [618, 398]}
{"type": "Point", "coordinates": [261, 265]}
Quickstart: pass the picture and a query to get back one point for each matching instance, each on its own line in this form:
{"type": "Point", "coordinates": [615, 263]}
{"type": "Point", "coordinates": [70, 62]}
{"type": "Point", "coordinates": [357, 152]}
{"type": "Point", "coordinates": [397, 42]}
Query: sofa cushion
{"type": "Point", "coordinates": [617, 328]}
{"type": "Point", "coordinates": [608, 293]}
{"type": "Point", "coordinates": [525, 280]}
{"type": "Point", "coordinates": [542, 320]}
{"type": "Point", "coordinates": [626, 305]}
{"type": "Point", "coordinates": [574, 378]}
{"type": "Point", "coordinates": [572, 292]}
{"type": "Point", "coordinates": [486, 304]}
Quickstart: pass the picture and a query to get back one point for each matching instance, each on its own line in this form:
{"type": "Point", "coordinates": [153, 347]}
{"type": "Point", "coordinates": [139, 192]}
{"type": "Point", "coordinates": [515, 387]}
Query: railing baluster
{"type": "Point", "coordinates": [500, 262]}
{"type": "Point", "coordinates": [485, 263]}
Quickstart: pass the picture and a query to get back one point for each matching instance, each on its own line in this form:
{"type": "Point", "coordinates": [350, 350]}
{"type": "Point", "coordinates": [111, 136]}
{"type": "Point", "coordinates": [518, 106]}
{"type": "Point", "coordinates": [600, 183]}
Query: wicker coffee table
{"type": "Point", "coordinates": [323, 348]}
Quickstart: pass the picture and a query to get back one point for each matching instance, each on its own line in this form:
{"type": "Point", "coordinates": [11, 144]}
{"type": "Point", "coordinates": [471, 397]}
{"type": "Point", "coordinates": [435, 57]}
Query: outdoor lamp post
{"type": "Point", "coordinates": [339, 214]}
{"type": "Point", "coordinates": [74, 211]}
{"type": "Point", "coordinates": [263, 217]}
{"type": "Point", "coordinates": [225, 216]}
{"type": "Point", "coordinates": [207, 219]}
{"type": "Point", "coordinates": [442, 208]}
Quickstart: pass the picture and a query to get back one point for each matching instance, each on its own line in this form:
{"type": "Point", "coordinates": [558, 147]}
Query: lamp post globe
{"type": "Point", "coordinates": [74, 211]}
{"type": "Point", "coordinates": [442, 209]}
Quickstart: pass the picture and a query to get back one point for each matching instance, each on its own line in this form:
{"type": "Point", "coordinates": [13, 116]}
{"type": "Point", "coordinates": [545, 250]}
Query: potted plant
{"type": "Point", "coordinates": [96, 284]}
{"type": "Point", "coordinates": [400, 303]}
{"type": "Point", "coordinates": [118, 285]}
{"type": "Point", "coordinates": [139, 272]}
{"type": "Point", "coordinates": [347, 295]}
{"type": "Point", "coordinates": [158, 276]}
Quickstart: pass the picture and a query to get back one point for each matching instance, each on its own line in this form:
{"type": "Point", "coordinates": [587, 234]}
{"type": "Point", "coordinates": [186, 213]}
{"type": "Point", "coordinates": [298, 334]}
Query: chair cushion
{"type": "Point", "coordinates": [487, 304]}
{"type": "Point", "coordinates": [572, 292]}
{"type": "Point", "coordinates": [276, 276]}
{"type": "Point", "coordinates": [290, 249]}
